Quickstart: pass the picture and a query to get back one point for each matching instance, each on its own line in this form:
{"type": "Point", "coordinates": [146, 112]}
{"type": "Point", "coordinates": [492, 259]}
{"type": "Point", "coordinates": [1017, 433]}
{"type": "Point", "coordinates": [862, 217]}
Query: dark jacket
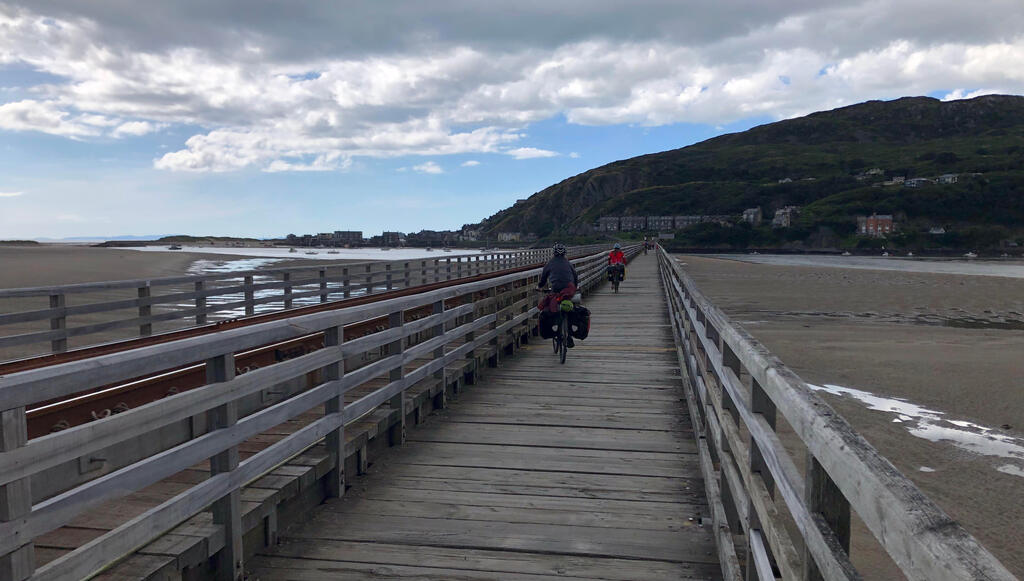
{"type": "Point", "coordinates": [560, 272]}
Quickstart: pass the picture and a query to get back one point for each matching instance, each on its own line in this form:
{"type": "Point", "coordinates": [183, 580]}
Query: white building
{"type": "Point", "coordinates": [628, 223]}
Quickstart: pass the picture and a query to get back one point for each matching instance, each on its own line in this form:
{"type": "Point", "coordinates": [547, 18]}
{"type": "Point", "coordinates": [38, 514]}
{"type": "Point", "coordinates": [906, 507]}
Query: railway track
{"type": "Point", "coordinates": [56, 415]}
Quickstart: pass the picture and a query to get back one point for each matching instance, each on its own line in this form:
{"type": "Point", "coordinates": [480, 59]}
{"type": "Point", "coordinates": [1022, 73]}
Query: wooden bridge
{"type": "Point", "coordinates": [585, 470]}
{"type": "Point", "coordinates": [429, 434]}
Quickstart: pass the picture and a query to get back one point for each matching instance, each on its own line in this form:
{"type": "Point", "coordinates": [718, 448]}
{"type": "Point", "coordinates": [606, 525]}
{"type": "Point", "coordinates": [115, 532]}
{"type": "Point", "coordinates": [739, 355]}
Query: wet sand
{"type": "Point", "coordinates": [59, 264]}
{"type": "Point", "coordinates": [950, 343]}
{"type": "Point", "coordinates": [52, 264]}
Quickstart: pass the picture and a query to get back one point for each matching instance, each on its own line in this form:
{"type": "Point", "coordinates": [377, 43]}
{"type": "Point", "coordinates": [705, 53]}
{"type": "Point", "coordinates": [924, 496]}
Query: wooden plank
{"type": "Point", "coordinates": [277, 568]}
{"type": "Point", "coordinates": [662, 512]}
{"type": "Point", "coordinates": [485, 561]}
{"type": "Point", "coordinates": [689, 544]}
{"type": "Point", "coordinates": [557, 437]}
{"type": "Point", "coordinates": [569, 388]}
{"type": "Point", "coordinates": [554, 483]}
{"type": "Point", "coordinates": [546, 513]}
{"type": "Point", "coordinates": [554, 398]}
{"type": "Point", "coordinates": [552, 459]}
{"type": "Point", "coordinates": [540, 416]}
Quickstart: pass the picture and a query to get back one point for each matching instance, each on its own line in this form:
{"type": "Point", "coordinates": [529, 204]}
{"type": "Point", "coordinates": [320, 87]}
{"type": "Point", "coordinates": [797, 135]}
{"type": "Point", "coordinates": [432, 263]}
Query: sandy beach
{"type": "Point", "coordinates": [59, 264]}
{"type": "Point", "coordinates": [51, 264]}
{"type": "Point", "coordinates": [927, 367]}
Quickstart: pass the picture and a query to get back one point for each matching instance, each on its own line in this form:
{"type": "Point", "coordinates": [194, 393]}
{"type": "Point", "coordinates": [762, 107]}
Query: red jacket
{"type": "Point", "coordinates": [616, 257]}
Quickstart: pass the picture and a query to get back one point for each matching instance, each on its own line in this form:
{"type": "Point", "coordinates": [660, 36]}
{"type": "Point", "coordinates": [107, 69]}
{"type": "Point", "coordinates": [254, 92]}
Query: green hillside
{"type": "Point", "coordinates": [981, 139]}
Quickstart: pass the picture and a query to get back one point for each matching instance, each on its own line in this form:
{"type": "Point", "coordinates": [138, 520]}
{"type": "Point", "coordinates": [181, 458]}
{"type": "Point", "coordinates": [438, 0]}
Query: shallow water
{"type": "Point", "coordinates": [283, 252]}
{"type": "Point", "coordinates": [1010, 268]}
{"type": "Point", "coordinates": [934, 426]}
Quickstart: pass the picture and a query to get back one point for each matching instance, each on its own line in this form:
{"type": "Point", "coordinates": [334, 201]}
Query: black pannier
{"type": "Point", "coordinates": [579, 322]}
{"type": "Point", "coordinates": [547, 325]}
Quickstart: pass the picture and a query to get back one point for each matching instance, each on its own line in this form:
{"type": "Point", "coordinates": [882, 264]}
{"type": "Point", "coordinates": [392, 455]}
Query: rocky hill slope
{"type": "Point", "coordinates": [814, 162]}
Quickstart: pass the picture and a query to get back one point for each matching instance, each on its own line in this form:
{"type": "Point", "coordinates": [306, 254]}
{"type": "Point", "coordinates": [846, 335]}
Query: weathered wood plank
{"type": "Point", "coordinates": [689, 544]}
{"type": "Point", "coordinates": [488, 561]}
{"type": "Point", "coordinates": [557, 437]}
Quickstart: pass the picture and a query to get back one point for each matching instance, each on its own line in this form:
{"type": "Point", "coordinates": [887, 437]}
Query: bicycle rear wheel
{"type": "Point", "coordinates": [563, 335]}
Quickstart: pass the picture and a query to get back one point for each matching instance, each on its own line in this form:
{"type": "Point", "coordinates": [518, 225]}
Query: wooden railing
{"type": "Point", "coordinates": [120, 309]}
{"type": "Point", "coordinates": [466, 317]}
{"type": "Point", "coordinates": [755, 488]}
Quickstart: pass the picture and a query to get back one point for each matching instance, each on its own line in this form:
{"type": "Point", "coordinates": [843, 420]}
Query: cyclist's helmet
{"type": "Point", "coordinates": [559, 249]}
{"type": "Point", "coordinates": [617, 246]}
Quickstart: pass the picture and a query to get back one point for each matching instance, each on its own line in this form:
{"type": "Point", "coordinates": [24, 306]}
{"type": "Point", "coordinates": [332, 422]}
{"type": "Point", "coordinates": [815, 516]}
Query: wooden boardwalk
{"type": "Point", "coordinates": [587, 470]}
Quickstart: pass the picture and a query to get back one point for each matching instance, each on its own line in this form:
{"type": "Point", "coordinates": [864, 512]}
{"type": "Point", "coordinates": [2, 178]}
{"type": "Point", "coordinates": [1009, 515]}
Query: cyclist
{"type": "Point", "coordinates": [616, 256]}
{"type": "Point", "coordinates": [561, 274]}
{"type": "Point", "coordinates": [616, 261]}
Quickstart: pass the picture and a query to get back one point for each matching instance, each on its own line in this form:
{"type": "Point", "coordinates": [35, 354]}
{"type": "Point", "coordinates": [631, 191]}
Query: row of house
{"type": "Point", "coordinates": [655, 223]}
{"type": "Point", "coordinates": [949, 178]}
{"type": "Point", "coordinates": [784, 218]}
{"type": "Point", "coordinates": [336, 238]}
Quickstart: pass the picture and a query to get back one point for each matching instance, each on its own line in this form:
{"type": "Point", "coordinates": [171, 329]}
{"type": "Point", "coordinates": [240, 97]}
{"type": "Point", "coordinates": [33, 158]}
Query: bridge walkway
{"type": "Point", "coordinates": [587, 470]}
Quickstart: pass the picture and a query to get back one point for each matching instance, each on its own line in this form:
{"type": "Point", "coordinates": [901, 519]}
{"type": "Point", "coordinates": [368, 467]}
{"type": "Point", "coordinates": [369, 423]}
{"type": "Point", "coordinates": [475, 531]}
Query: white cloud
{"type": "Point", "coordinates": [470, 163]}
{"type": "Point", "coordinates": [45, 117]}
{"type": "Point", "coordinates": [574, 155]}
{"type": "Point", "coordinates": [137, 128]}
{"type": "Point", "coordinates": [10, 194]}
{"type": "Point", "coordinates": [428, 167]}
{"type": "Point", "coordinates": [263, 98]}
{"type": "Point", "coordinates": [530, 153]}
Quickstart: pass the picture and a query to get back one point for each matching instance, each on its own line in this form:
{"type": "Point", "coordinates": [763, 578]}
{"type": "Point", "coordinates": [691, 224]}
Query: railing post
{"type": "Point", "coordinates": [469, 338]}
{"type": "Point", "coordinates": [228, 510]}
{"type": "Point", "coordinates": [145, 311]}
{"type": "Point", "coordinates": [200, 303]}
{"type": "Point", "coordinates": [458, 267]}
{"type": "Point", "coordinates": [15, 498]}
{"type": "Point", "coordinates": [333, 337]}
{"type": "Point", "coordinates": [58, 323]}
{"type": "Point", "coordinates": [287, 278]}
{"type": "Point", "coordinates": [448, 269]}
{"type": "Point", "coordinates": [369, 279]}
{"type": "Point", "coordinates": [388, 283]}
{"type": "Point", "coordinates": [830, 509]}
{"type": "Point", "coordinates": [437, 309]}
{"type": "Point", "coordinates": [250, 296]}
{"type": "Point", "coordinates": [346, 283]}
{"type": "Point", "coordinates": [397, 435]}
{"type": "Point", "coordinates": [437, 269]}
{"type": "Point", "coordinates": [760, 403]}
{"type": "Point", "coordinates": [492, 293]}
{"type": "Point", "coordinates": [323, 285]}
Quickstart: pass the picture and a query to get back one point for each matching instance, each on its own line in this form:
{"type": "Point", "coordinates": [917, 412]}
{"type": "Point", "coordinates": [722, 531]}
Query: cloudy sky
{"type": "Point", "coordinates": [263, 117]}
